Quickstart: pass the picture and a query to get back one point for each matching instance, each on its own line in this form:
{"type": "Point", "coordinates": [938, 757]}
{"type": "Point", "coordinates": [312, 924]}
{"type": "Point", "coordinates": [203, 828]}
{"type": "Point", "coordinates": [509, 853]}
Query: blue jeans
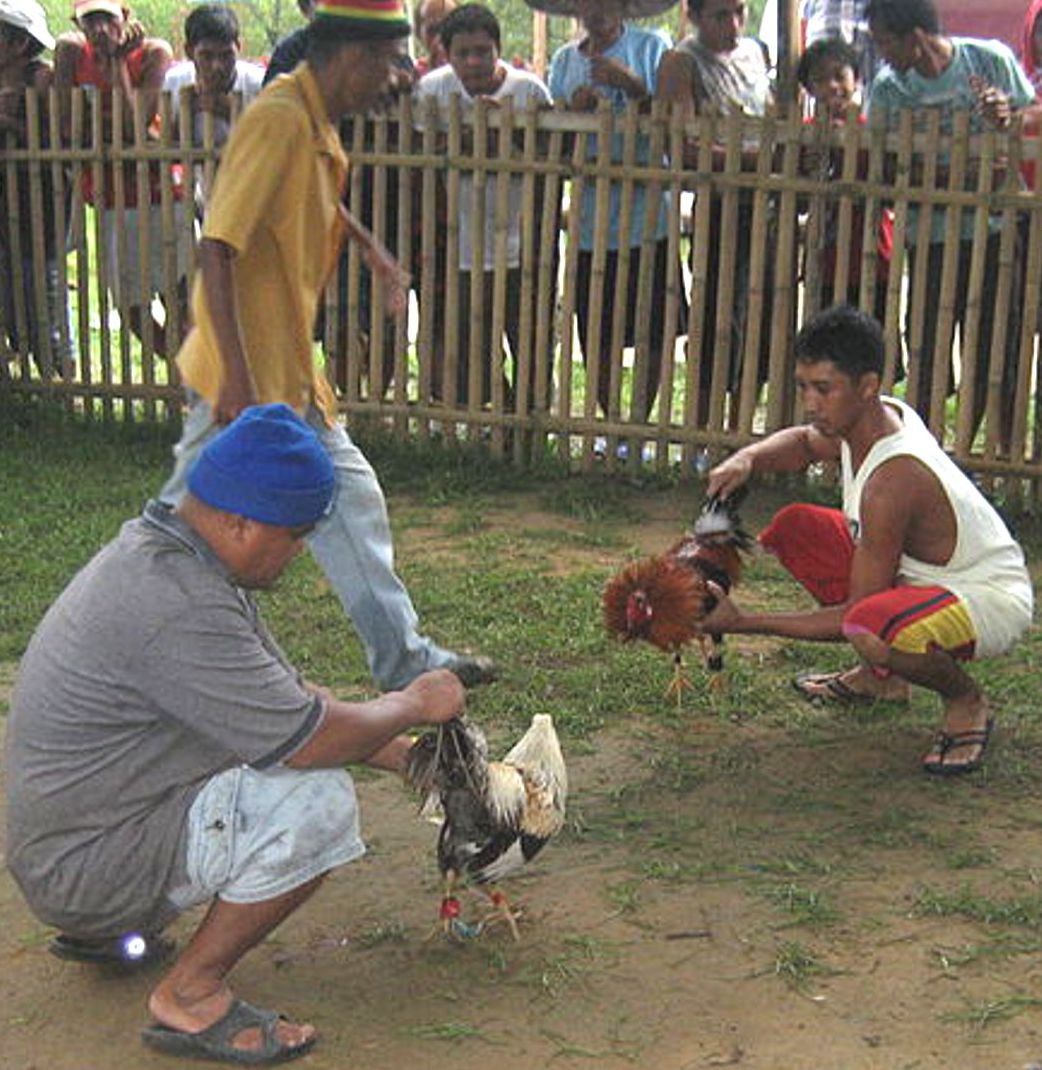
{"type": "Point", "coordinates": [352, 546]}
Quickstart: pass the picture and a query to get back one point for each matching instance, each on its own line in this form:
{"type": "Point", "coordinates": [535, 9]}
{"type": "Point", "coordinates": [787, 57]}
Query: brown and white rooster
{"type": "Point", "coordinates": [660, 599]}
{"type": "Point", "coordinates": [497, 816]}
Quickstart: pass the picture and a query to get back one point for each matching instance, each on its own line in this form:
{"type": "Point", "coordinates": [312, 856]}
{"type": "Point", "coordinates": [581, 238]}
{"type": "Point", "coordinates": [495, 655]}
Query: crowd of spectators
{"type": "Point", "coordinates": [862, 58]}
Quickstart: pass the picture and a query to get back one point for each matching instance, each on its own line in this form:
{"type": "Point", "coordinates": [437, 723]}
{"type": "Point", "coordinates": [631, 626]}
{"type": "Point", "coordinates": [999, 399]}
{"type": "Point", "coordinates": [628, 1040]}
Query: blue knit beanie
{"type": "Point", "coordinates": [267, 465]}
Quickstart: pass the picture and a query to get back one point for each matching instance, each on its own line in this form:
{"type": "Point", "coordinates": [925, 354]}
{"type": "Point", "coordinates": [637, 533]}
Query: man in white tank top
{"type": "Point", "coordinates": [917, 572]}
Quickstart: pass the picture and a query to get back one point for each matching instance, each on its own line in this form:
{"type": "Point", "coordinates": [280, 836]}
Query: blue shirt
{"type": "Point", "coordinates": [641, 51]}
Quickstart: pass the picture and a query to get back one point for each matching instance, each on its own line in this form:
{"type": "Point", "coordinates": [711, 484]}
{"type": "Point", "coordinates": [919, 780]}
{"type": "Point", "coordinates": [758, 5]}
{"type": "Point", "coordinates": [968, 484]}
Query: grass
{"type": "Point", "coordinates": [809, 824]}
{"type": "Point", "coordinates": [796, 965]}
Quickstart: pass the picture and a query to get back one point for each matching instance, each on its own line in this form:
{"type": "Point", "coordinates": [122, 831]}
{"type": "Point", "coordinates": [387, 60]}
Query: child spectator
{"type": "Point", "coordinates": [471, 36]}
{"type": "Point", "coordinates": [23, 37]}
{"type": "Point", "coordinates": [828, 71]}
{"type": "Point", "coordinates": [719, 69]}
{"type": "Point", "coordinates": [617, 61]}
{"type": "Point", "coordinates": [929, 72]}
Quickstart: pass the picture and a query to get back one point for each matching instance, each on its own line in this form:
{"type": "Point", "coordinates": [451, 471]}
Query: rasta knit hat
{"type": "Point", "coordinates": [365, 20]}
{"type": "Point", "coordinates": [267, 465]}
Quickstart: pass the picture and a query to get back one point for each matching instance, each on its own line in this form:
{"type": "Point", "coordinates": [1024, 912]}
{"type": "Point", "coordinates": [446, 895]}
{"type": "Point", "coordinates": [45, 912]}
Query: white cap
{"type": "Point", "coordinates": [29, 16]}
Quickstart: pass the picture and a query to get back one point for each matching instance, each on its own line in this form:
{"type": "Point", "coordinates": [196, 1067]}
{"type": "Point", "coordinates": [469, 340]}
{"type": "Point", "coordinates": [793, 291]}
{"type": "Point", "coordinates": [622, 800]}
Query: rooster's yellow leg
{"type": "Point", "coordinates": [450, 906]}
{"type": "Point", "coordinates": [680, 682]}
{"type": "Point", "coordinates": [502, 910]}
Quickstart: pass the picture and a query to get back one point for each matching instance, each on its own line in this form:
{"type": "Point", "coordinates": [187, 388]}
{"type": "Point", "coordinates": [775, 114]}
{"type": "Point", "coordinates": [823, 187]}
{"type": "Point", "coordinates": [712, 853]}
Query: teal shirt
{"type": "Point", "coordinates": [893, 92]}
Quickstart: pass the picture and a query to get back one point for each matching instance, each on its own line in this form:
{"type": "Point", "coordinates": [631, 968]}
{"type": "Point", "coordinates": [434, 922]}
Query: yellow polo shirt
{"type": "Point", "coordinates": [276, 202]}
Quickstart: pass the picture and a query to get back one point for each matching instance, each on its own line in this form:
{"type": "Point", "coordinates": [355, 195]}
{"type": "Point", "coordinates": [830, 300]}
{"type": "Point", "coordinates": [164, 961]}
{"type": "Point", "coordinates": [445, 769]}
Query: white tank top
{"type": "Point", "coordinates": [986, 569]}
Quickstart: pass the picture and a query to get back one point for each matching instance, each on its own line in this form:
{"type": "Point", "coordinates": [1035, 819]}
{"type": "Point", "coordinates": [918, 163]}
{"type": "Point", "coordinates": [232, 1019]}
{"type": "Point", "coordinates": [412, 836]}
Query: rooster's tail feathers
{"type": "Point", "coordinates": [540, 750]}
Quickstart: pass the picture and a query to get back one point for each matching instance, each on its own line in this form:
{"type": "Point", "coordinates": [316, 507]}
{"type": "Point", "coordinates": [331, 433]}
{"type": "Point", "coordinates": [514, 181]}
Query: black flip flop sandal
{"type": "Point", "coordinates": [946, 742]}
{"type": "Point", "coordinates": [833, 690]}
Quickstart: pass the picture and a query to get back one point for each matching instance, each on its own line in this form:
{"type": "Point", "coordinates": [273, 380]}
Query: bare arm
{"type": "Point", "coordinates": [238, 390]}
{"type": "Point", "coordinates": [158, 58]}
{"type": "Point", "coordinates": [676, 85]}
{"type": "Point", "coordinates": [380, 262]}
{"type": "Point", "coordinates": [888, 504]}
{"type": "Point", "coordinates": [371, 731]}
{"type": "Point", "coordinates": [66, 53]}
{"type": "Point", "coordinates": [790, 450]}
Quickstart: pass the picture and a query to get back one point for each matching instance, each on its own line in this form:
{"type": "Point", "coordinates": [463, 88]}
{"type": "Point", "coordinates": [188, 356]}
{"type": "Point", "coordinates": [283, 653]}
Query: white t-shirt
{"type": "Point", "coordinates": [442, 85]}
{"type": "Point", "coordinates": [986, 569]}
{"type": "Point", "coordinates": [249, 77]}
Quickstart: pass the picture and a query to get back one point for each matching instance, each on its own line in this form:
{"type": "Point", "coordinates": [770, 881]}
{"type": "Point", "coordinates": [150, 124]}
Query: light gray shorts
{"type": "Point", "coordinates": [253, 836]}
{"type": "Point", "coordinates": [126, 278]}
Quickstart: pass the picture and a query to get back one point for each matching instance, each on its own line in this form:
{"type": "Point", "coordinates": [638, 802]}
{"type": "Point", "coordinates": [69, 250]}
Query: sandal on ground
{"type": "Point", "coordinates": [217, 1041]}
{"type": "Point", "coordinates": [947, 742]}
{"type": "Point", "coordinates": [828, 687]}
{"type": "Point", "coordinates": [132, 951]}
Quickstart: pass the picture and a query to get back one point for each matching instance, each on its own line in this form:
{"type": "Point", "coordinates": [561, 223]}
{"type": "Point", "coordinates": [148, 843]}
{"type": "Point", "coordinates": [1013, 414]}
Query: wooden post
{"type": "Point", "coordinates": [788, 52]}
{"type": "Point", "coordinates": [539, 43]}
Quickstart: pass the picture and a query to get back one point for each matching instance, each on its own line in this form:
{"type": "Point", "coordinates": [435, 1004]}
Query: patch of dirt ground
{"type": "Point", "coordinates": [673, 974]}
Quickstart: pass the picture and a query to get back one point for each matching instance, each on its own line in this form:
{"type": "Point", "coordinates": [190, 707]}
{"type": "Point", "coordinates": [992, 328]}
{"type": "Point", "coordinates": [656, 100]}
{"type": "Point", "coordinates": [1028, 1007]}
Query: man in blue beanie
{"type": "Point", "coordinates": [162, 752]}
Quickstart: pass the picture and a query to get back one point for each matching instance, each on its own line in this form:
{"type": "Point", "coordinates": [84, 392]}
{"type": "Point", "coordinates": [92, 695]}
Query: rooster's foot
{"type": "Point", "coordinates": [677, 686]}
{"type": "Point", "coordinates": [450, 924]}
{"type": "Point", "coordinates": [502, 911]}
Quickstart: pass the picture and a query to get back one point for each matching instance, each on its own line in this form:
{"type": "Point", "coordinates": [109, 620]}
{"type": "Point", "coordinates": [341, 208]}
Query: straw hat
{"type": "Point", "coordinates": [629, 9]}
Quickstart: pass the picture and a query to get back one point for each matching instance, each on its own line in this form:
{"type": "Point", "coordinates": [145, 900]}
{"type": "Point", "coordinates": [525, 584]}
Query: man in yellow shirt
{"type": "Point", "coordinates": [272, 233]}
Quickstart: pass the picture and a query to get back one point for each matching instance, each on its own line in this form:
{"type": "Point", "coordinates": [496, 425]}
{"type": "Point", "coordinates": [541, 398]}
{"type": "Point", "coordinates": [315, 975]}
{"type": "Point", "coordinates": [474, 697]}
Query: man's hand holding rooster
{"type": "Point", "coordinates": [729, 475]}
{"type": "Point", "coordinates": [725, 616]}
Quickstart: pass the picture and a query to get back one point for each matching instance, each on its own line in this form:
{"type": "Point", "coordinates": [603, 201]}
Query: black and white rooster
{"type": "Point", "coordinates": [496, 815]}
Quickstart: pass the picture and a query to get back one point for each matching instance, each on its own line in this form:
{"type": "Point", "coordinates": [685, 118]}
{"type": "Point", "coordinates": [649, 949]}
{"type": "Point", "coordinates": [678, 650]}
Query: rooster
{"type": "Point", "coordinates": [660, 599]}
{"type": "Point", "coordinates": [497, 816]}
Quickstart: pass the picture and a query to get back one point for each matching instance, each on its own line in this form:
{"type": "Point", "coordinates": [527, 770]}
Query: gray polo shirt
{"type": "Point", "coordinates": [150, 673]}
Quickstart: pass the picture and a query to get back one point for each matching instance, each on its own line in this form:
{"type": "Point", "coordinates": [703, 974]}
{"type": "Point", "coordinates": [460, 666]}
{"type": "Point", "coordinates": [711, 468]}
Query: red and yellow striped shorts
{"type": "Point", "coordinates": [814, 544]}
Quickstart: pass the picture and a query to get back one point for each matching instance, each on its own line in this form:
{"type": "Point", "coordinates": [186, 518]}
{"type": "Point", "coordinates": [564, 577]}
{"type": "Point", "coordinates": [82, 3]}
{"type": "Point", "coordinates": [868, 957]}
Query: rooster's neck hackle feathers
{"type": "Point", "coordinates": [667, 586]}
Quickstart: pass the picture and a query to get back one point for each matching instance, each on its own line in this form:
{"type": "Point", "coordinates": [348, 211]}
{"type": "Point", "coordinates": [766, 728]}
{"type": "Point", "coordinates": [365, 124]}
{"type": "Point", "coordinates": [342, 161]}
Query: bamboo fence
{"type": "Point", "coordinates": [752, 214]}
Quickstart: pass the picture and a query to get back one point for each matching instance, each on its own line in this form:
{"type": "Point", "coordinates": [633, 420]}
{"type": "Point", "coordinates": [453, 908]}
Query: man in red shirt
{"type": "Point", "coordinates": [109, 50]}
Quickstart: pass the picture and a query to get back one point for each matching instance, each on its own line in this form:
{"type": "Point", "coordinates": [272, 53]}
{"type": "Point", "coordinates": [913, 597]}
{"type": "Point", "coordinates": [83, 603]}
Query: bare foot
{"type": "Point", "coordinates": [198, 1015]}
{"type": "Point", "coordinates": [962, 742]}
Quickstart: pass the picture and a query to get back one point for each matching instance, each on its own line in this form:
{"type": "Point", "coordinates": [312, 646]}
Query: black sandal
{"type": "Point", "coordinates": [946, 742]}
{"type": "Point", "coordinates": [131, 951]}
{"type": "Point", "coordinates": [217, 1042]}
